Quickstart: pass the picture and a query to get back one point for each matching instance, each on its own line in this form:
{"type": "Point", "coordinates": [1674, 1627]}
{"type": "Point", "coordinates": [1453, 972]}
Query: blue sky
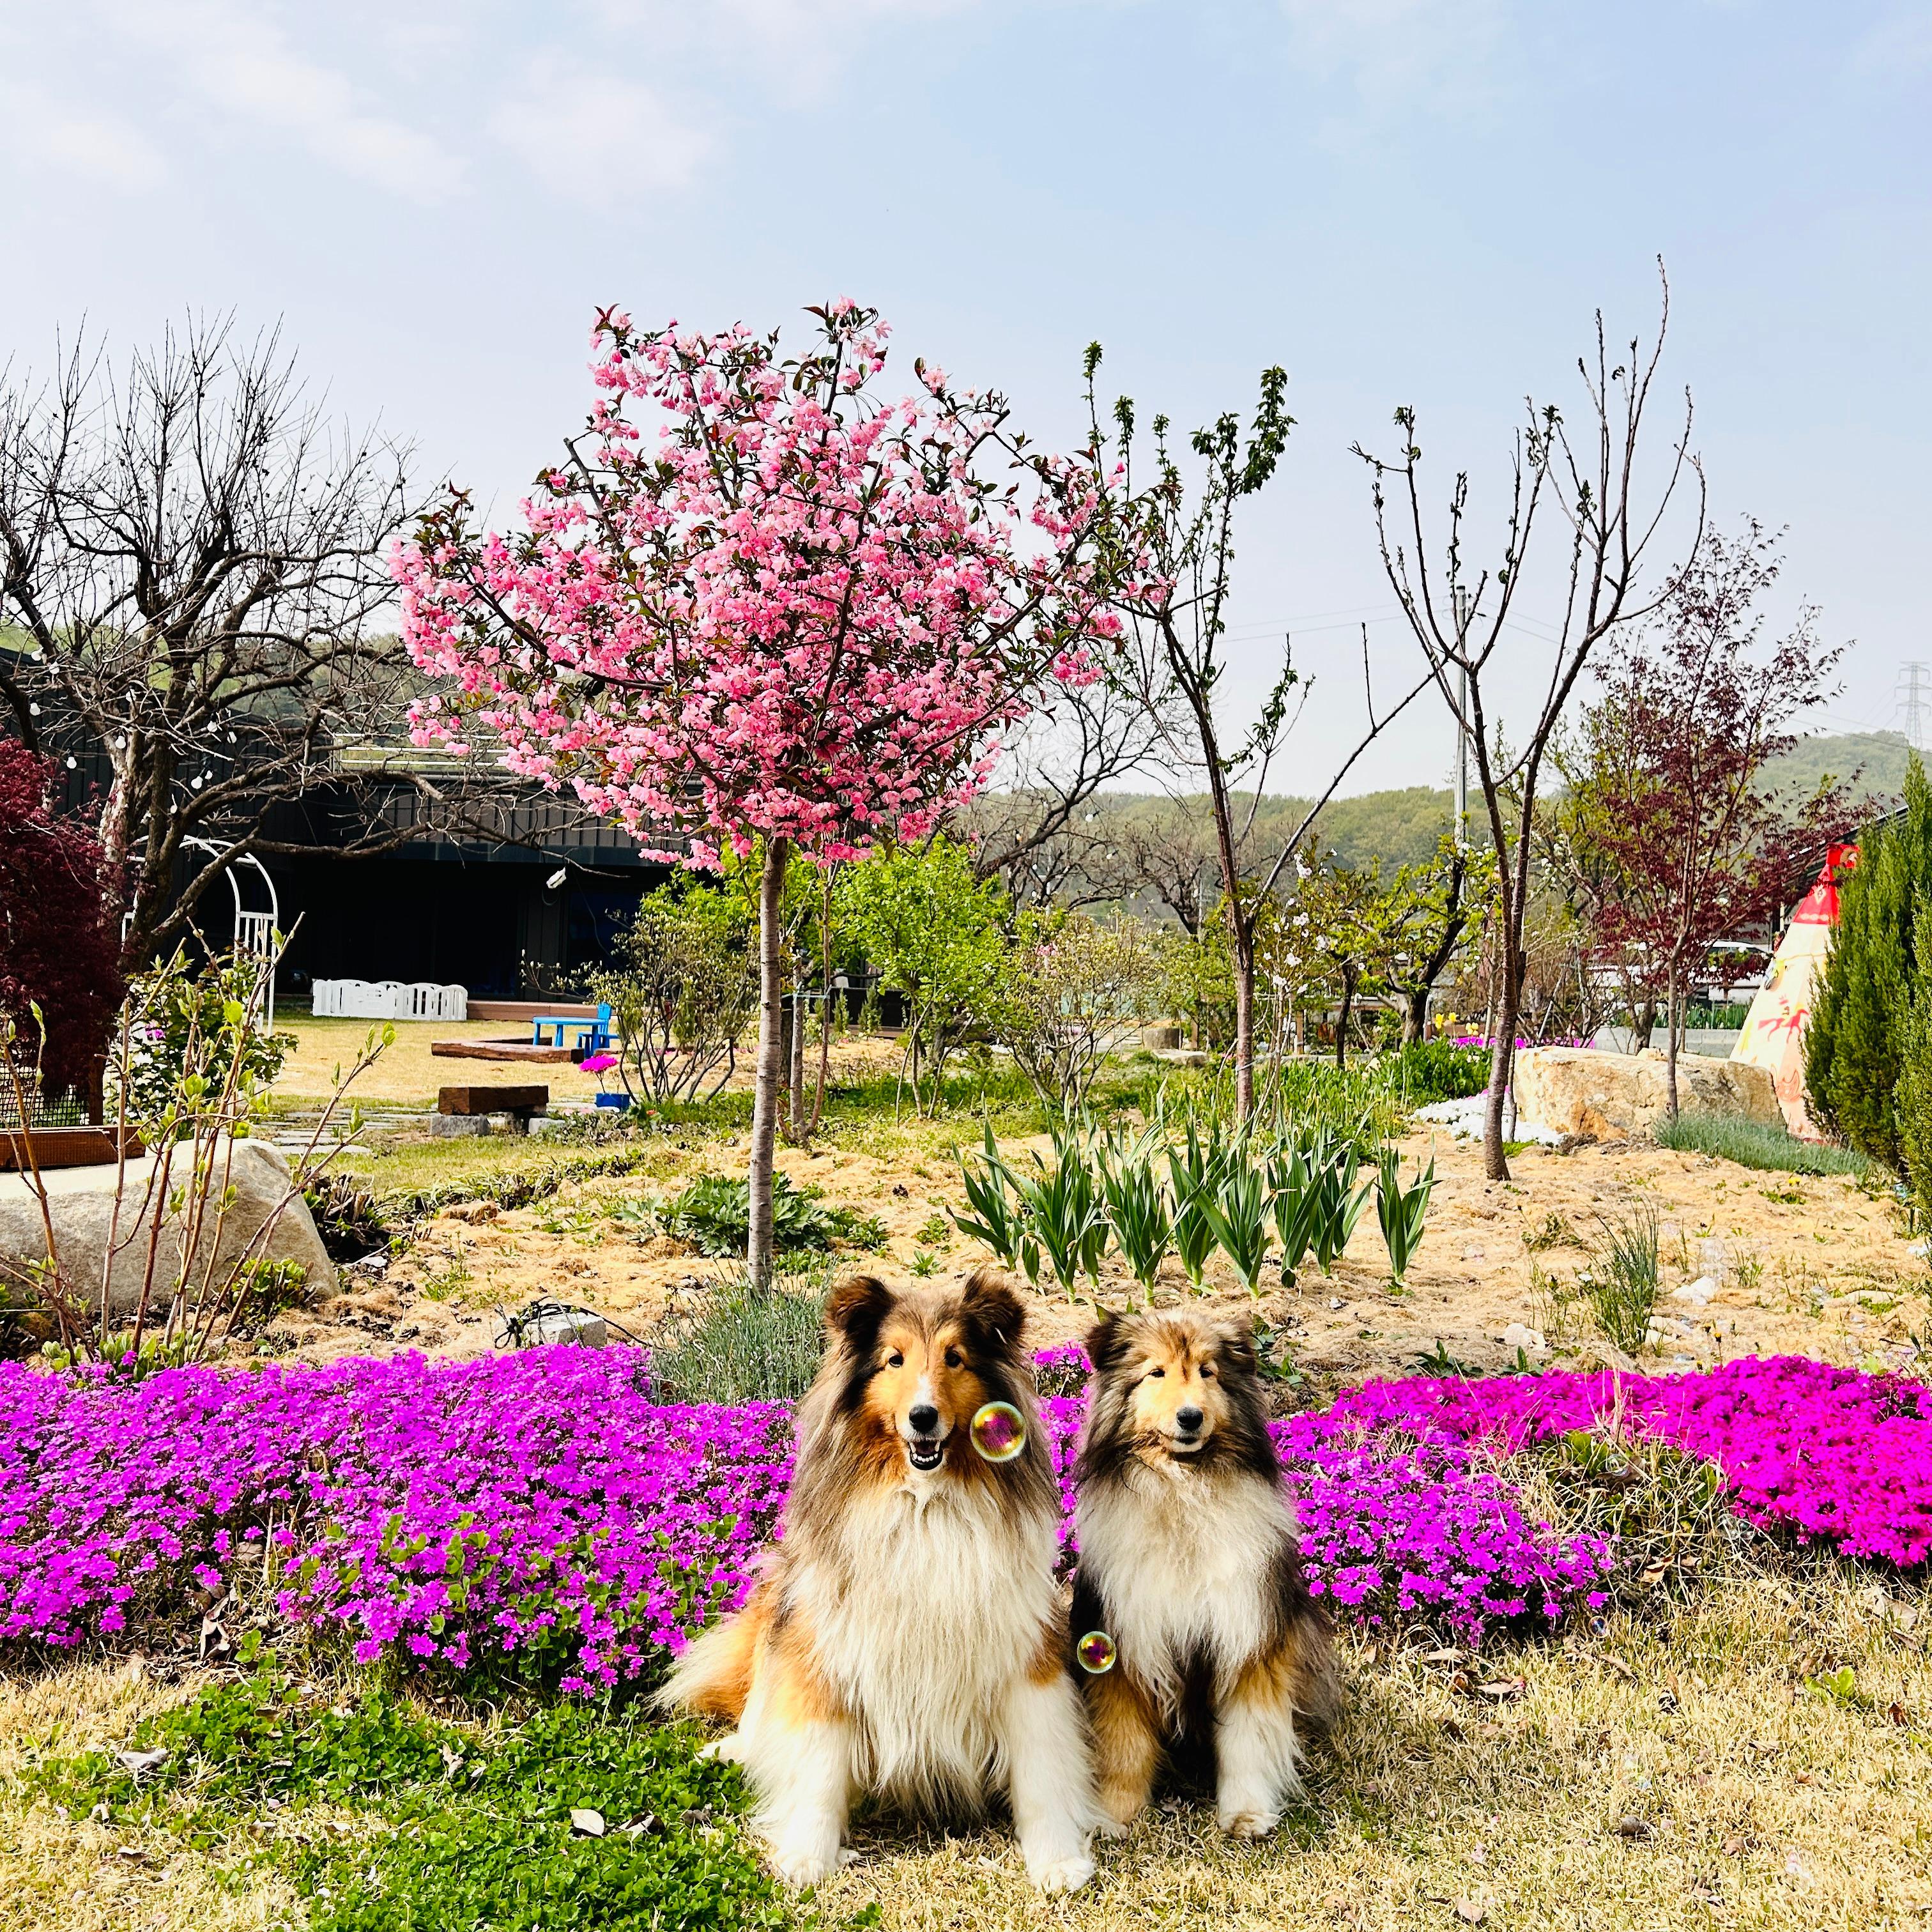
{"type": "Point", "coordinates": [1400, 200]}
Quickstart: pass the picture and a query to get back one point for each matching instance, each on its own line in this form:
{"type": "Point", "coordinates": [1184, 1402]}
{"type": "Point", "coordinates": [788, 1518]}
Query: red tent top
{"type": "Point", "coordinates": [1819, 906]}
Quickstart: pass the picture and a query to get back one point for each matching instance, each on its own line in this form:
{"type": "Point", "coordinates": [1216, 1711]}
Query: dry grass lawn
{"type": "Point", "coordinates": [408, 1074]}
{"type": "Point", "coordinates": [1674, 1770]}
{"type": "Point", "coordinates": [1673, 1773]}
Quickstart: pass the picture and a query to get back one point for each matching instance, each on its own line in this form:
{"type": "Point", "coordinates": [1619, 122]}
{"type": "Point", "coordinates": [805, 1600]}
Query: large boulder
{"type": "Point", "coordinates": [81, 1204]}
{"type": "Point", "coordinates": [1580, 1090]}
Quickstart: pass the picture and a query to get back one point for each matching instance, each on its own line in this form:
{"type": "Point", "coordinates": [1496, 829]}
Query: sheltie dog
{"type": "Point", "coordinates": [1188, 1563]}
{"type": "Point", "coordinates": [907, 1635]}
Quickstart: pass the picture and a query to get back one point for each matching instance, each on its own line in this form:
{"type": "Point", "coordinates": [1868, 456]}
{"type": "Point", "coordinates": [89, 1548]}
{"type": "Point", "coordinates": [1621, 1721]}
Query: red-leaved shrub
{"type": "Point", "coordinates": [58, 947]}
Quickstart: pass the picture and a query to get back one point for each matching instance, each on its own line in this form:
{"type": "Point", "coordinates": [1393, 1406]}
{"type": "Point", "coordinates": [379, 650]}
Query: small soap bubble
{"type": "Point", "coordinates": [999, 1432]}
{"type": "Point", "coordinates": [1095, 1652]}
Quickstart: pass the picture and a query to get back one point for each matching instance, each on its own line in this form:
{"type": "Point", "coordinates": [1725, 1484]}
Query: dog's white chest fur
{"type": "Point", "coordinates": [1184, 1562]}
{"type": "Point", "coordinates": [940, 1603]}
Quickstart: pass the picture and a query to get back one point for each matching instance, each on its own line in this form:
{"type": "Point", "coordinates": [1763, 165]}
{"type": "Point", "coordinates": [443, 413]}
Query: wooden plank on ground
{"type": "Point", "coordinates": [501, 1049]}
{"type": "Point", "coordinates": [472, 1100]}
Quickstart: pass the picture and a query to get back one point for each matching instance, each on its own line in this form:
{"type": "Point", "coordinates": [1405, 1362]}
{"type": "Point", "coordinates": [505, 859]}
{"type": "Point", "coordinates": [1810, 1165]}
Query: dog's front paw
{"type": "Point", "coordinates": [729, 1750]}
{"type": "Point", "coordinates": [802, 1865]}
{"type": "Point", "coordinates": [1249, 1824]}
{"type": "Point", "coordinates": [1063, 1874]}
{"type": "Point", "coordinates": [799, 1866]}
{"type": "Point", "coordinates": [1111, 1827]}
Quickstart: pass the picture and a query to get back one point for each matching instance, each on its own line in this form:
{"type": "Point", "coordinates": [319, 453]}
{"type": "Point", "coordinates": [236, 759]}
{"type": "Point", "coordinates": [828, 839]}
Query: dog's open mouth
{"type": "Point", "coordinates": [926, 1452]}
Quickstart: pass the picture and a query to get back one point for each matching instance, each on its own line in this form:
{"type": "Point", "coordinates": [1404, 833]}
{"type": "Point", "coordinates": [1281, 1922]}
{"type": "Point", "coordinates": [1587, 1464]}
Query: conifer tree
{"type": "Point", "coordinates": [1855, 1040]}
{"type": "Point", "coordinates": [1915, 1073]}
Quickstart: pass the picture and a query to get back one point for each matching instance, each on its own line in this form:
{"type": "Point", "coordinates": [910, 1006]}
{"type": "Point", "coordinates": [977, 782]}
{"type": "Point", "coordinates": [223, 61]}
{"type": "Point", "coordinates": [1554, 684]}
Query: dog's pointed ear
{"type": "Point", "coordinates": [854, 1309]}
{"type": "Point", "coordinates": [993, 1313]}
{"type": "Point", "coordinates": [1105, 1342]}
{"type": "Point", "coordinates": [1237, 1342]}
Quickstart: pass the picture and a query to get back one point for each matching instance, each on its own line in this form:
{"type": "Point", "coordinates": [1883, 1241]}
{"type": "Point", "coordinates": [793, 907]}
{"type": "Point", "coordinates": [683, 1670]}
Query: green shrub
{"type": "Point", "coordinates": [475, 1826]}
{"type": "Point", "coordinates": [1425, 1071]}
{"type": "Point", "coordinates": [744, 1344]}
{"type": "Point", "coordinates": [1754, 1144]}
{"type": "Point", "coordinates": [1914, 1095]}
{"type": "Point", "coordinates": [713, 1214]}
{"type": "Point", "coordinates": [195, 1023]}
{"type": "Point", "coordinates": [1855, 1040]}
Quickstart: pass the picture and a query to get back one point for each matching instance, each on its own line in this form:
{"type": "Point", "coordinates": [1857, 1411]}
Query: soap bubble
{"type": "Point", "coordinates": [1095, 1652]}
{"type": "Point", "coordinates": [998, 1431]}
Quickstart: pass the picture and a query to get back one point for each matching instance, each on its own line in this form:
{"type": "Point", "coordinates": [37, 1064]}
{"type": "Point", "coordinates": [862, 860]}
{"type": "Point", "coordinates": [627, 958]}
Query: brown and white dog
{"type": "Point", "coordinates": [907, 1636]}
{"type": "Point", "coordinates": [1189, 1561]}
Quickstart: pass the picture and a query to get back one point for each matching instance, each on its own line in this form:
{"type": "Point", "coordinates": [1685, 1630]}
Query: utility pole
{"type": "Point", "coordinates": [1461, 712]}
{"type": "Point", "coordinates": [1915, 700]}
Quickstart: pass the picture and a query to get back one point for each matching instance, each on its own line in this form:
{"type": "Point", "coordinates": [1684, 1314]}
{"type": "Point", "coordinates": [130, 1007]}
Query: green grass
{"type": "Point", "coordinates": [1753, 1144]}
{"type": "Point", "coordinates": [1620, 1283]}
{"type": "Point", "coordinates": [459, 1825]}
{"type": "Point", "coordinates": [742, 1346]}
{"type": "Point", "coordinates": [713, 1214]}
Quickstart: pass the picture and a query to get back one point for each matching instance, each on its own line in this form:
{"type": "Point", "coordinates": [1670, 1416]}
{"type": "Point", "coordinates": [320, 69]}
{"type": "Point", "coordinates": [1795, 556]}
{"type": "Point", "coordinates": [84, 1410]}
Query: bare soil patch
{"type": "Point", "coordinates": [1802, 1265]}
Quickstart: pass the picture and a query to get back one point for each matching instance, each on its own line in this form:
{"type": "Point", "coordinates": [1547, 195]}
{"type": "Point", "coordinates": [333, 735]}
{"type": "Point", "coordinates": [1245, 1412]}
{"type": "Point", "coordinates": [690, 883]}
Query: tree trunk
{"type": "Point", "coordinates": [1342, 1018]}
{"type": "Point", "coordinates": [1506, 1007]}
{"type": "Point", "coordinates": [1244, 1016]}
{"type": "Point", "coordinates": [1643, 1024]}
{"type": "Point", "coordinates": [770, 1082]}
{"type": "Point", "coordinates": [1415, 1015]}
{"type": "Point", "coordinates": [1670, 1041]}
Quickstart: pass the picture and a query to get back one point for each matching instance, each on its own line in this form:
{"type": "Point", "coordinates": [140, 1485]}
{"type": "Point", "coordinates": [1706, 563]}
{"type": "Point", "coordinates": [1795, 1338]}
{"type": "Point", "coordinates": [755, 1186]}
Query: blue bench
{"type": "Point", "coordinates": [596, 1032]}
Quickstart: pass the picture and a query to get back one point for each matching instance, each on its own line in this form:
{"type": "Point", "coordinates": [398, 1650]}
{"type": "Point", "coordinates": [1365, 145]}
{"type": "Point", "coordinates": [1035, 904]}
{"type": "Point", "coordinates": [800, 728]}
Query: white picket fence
{"type": "Point", "coordinates": [388, 1000]}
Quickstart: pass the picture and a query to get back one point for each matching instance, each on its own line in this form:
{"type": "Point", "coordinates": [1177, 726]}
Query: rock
{"type": "Point", "coordinates": [1701, 1291]}
{"type": "Point", "coordinates": [1520, 1335]}
{"type": "Point", "coordinates": [567, 1324]}
{"type": "Point", "coordinates": [81, 1203]}
{"type": "Point", "coordinates": [458, 1126]}
{"type": "Point", "coordinates": [1577, 1091]}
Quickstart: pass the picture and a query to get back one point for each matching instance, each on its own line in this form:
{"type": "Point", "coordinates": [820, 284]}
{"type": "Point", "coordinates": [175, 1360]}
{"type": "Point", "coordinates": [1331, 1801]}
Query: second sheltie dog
{"type": "Point", "coordinates": [1189, 1562]}
{"type": "Point", "coordinates": [907, 1636]}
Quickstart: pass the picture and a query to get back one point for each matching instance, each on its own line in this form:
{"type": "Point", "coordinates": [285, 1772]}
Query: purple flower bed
{"type": "Point", "coordinates": [1838, 1456]}
{"type": "Point", "coordinates": [539, 1504]}
{"type": "Point", "coordinates": [535, 1502]}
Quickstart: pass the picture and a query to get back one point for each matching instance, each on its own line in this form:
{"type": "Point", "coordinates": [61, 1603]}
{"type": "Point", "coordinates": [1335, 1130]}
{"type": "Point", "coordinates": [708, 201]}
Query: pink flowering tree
{"type": "Point", "coordinates": [764, 604]}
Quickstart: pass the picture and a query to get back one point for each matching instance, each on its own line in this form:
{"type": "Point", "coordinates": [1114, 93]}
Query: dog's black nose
{"type": "Point", "coordinates": [924, 1420]}
{"type": "Point", "coordinates": [1187, 1420]}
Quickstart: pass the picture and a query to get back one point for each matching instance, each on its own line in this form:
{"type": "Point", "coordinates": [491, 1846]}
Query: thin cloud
{"type": "Point", "coordinates": [1897, 48]}
{"type": "Point", "coordinates": [1399, 55]}
{"type": "Point", "coordinates": [44, 134]}
{"type": "Point", "coordinates": [239, 62]}
{"type": "Point", "coordinates": [588, 134]}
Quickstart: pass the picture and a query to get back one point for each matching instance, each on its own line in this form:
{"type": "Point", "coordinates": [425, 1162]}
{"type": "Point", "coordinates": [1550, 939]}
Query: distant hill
{"type": "Point", "coordinates": [1398, 827]}
{"type": "Point", "coordinates": [1401, 826]}
{"type": "Point", "coordinates": [1872, 762]}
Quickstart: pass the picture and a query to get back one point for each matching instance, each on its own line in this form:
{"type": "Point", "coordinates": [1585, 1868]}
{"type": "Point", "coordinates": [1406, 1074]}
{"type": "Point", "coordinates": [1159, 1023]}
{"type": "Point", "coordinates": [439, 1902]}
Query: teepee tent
{"type": "Point", "coordinates": [1773, 1034]}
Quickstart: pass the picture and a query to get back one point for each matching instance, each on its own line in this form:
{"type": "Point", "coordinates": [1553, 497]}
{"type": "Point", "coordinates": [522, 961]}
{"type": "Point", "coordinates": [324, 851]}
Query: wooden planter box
{"type": "Point", "coordinates": [65, 1147]}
